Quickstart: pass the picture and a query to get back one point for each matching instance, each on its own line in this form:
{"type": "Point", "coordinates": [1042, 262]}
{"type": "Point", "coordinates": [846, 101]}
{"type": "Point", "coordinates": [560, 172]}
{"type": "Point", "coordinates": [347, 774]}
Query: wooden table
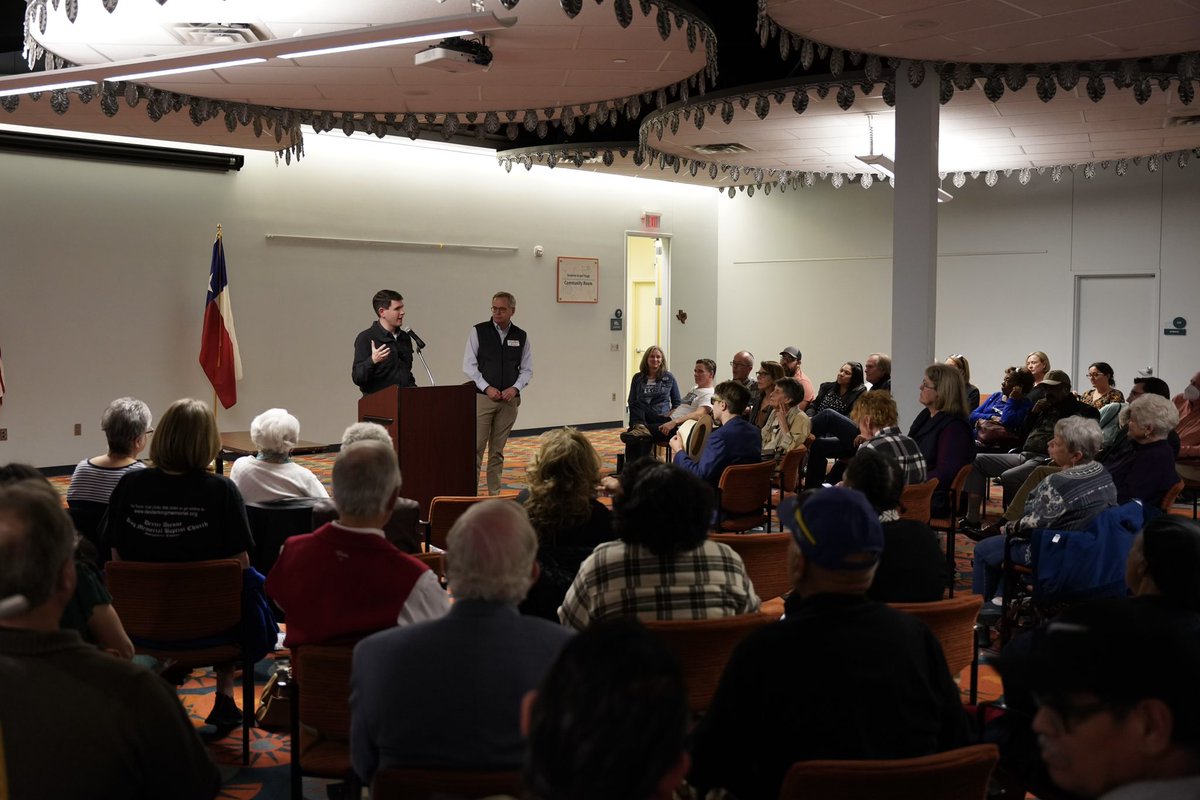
{"type": "Point", "coordinates": [235, 444]}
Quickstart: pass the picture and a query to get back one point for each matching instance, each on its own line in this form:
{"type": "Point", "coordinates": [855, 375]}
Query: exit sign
{"type": "Point", "coordinates": [651, 221]}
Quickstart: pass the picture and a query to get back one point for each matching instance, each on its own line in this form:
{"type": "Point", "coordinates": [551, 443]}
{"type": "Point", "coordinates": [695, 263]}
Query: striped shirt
{"type": "Point", "coordinates": [891, 442]}
{"type": "Point", "coordinates": [93, 484]}
{"type": "Point", "coordinates": [1069, 500]}
{"type": "Point", "coordinates": [620, 579]}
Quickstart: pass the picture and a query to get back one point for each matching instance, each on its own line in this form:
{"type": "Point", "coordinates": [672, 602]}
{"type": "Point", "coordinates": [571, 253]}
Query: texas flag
{"type": "Point", "coordinates": [218, 343]}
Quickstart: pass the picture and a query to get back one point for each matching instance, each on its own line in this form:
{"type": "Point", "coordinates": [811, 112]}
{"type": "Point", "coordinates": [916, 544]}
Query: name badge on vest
{"type": "Point", "coordinates": [514, 343]}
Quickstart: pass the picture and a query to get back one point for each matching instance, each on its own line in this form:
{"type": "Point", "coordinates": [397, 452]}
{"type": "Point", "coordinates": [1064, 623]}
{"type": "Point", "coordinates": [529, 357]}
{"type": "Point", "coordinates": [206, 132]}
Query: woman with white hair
{"type": "Point", "coordinates": [1147, 471]}
{"type": "Point", "coordinates": [126, 426]}
{"type": "Point", "coordinates": [1067, 501]}
{"type": "Point", "coordinates": [272, 475]}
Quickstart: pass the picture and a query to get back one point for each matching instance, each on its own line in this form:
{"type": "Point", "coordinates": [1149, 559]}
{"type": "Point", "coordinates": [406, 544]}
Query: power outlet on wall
{"type": "Point", "coordinates": [3, 434]}
{"type": "Point", "coordinates": [78, 429]}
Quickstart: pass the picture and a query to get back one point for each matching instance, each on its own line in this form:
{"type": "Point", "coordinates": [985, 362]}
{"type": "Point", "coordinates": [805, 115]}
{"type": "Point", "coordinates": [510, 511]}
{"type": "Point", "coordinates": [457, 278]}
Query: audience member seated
{"type": "Point", "coordinates": [787, 427]}
{"type": "Point", "coordinates": [1103, 391]}
{"type": "Point", "coordinates": [740, 366]}
{"type": "Point", "coordinates": [998, 421]}
{"type": "Point", "coordinates": [878, 420]}
{"type": "Point", "coordinates": [735, 441]}
{"type": "Point", "coordinates": [877, 370]}
{"type": "Point", "coordinates": [89, 612]}
{"type": "Point", "coordinates": [1164, 567]}
{"type": "Point", "coordinates": [964, 367]}
{"type": "Point", "coordinates": [565, 514]}
{"type": "Point", "coordinates": [839, 394]}
{"type": "Point", "coordinates": [653, 392]}
{"type": "Point", "coordinates": [912, 566]}
{"type": "Point", "coordinates": [402, 529]}
{"type": "Point", "coordinates": [345, 580]}
{"type": "Point", "coordinates": [794, 691]}
{"type": "Point", "coordinates": [1038, 363]}
{"type": "Point", "coordinates": [789, 360]}
{"type": "Point", "coordinates": [1066, 501]}
{"type": "Point", "coordinates": [177, 511]}
{"type": "Point", "coordinates": [769, 373]}
{"type": "Point", "coordinates": [695, 405]}
{"type": "Point", "coordinates": [1188, 405]}
{"type": "Point", "coordinates": [1118, 706]}
{"type": "Point", "coordinates": [1147, 471]}
{"type": "Point", "coordinates": [126, 426]}
{"type": "Point", "coordinates": [663, 565]}
{"type": "Point", "coordinates": [609, 720]}
{"type": "Point", "coordinates": [942, 432]}
{"type": "Point", "coordinates": [1115, 428]}
{"type": "Point", "coordinates": [272, 475]}
{"type": "Point", "coordinates": [117, 729]}
{"type": "Point", "coordinates": [1013, 468]}
{"type": "Point", "coordinates": [446, 694]}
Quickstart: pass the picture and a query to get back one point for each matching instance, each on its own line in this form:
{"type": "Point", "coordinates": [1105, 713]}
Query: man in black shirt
{"type": "Point", "coordinates": [383, 352]}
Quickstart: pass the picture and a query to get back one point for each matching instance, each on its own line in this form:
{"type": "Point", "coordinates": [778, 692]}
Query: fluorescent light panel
{"type": "Point", "coordinates": [429, 37]}
{"type": "Point", "coordinates": [883, 164]}
{"type": "Point", "coordinates": [48, 87]}
{"type": "Point", "coordinates": [137, 76]}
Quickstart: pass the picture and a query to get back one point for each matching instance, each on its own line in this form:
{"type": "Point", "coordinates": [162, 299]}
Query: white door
{"type": "Point", "coordinates": [1116, 320]}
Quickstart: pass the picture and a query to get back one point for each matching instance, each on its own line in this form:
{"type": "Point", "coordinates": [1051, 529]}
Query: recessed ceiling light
{"type": "Point", "coordinates": [619, 61]}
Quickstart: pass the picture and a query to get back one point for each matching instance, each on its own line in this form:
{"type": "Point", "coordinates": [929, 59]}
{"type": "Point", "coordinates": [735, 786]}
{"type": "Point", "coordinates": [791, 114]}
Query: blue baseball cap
{"type": "Point", "coordinates": [836, 529]}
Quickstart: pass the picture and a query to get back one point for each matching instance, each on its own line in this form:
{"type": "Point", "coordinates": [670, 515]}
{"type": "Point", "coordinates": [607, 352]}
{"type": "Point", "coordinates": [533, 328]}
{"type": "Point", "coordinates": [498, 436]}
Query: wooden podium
{"type": "Point", "coordinates": [433, 429]}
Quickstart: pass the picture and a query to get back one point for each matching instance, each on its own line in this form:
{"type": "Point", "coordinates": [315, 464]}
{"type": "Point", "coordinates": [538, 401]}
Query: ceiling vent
{"type": "Point", "coordinates": [218, 34]}
{"type": "Point", "coordinates": [722, 149]}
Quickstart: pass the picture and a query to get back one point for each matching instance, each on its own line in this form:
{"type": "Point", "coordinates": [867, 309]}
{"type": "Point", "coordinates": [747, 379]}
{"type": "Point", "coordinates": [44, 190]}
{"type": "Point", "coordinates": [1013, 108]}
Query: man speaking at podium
{"type": "Point", "coordinates": [499, 362]}
{"type": "Point", "coordinates": [383, 353]}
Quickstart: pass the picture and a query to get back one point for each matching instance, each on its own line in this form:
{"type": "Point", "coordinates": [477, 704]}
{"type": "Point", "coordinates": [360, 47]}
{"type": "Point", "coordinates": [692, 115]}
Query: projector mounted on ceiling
{"type": "Point", "coordinates": [456, 55]}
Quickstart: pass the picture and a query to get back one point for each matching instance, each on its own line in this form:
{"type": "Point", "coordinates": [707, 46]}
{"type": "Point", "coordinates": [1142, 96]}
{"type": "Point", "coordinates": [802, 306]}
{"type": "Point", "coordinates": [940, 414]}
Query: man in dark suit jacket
{"type": "Point", "coordinates": [735, 441]}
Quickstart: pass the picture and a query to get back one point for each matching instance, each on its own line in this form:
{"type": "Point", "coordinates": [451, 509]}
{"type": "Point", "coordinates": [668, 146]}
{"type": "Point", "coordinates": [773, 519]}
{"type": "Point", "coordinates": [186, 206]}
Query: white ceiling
{"type": "Point", "coordinates": [548, 60]}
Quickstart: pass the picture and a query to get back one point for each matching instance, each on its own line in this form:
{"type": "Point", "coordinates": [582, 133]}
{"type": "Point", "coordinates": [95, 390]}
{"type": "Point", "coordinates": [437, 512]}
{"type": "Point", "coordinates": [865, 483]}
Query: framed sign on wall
{"type": "Point", "coordinates": [578, 280]}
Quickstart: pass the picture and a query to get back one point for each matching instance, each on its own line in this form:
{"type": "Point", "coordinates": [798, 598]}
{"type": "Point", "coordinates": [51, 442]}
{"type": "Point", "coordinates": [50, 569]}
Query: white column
{"type": "Point", "coordinates": [914, 238]}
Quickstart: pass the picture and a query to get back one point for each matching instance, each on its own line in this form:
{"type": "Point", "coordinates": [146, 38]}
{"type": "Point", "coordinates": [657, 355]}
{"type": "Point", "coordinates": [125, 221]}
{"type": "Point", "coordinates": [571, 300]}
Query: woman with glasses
{"type": "Point", "coordinates": [769, 372]}
{"type": "Point", "coordinates": [1102, 392]}
{"type": "Point", "coordinates": [941, 430]}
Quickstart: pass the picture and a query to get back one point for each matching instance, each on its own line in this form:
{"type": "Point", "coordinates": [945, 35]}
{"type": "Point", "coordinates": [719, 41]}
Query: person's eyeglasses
{"type": "Point", "coordinates": [929, 386]}
{"type": "Point", "coordinates": [762, 373]}
{"type": "Point", "coordinates": [955, 356]}
{"type": "Point", "coordinates": [739, 364]}
{"type": "Point", "coordinates": [1064, 714]}
{"type": "Point", "coordinates": [500, 310]}
{"type": "Point", "coordinates": [1094, 374]}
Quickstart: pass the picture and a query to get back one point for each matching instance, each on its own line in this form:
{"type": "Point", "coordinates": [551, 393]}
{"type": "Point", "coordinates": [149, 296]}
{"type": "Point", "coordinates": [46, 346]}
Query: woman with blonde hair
{"type": "Point", "coordinates": [569, 520]}
{"type": "Point", "coordinates": [653, 393]}
{"type": "Point", "coordinates": [941, 430]}
{"type": "Point", "coordinates": [272, 475]}
{"type": "Point", "coordinates": [178, 511]}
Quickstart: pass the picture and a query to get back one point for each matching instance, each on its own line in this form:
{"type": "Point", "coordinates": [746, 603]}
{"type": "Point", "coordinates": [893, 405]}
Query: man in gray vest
{"type": "Point", "coordinates": [499, 361]}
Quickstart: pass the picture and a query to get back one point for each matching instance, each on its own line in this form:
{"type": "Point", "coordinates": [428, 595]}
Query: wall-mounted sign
{"type": "Point", "coordinates": [578, 280]}
{"type": "Point", "coordinates": [1178, 327]}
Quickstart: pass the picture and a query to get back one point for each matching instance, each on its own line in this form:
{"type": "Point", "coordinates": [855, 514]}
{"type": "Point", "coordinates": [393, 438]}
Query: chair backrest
{"type": "Point", "coordinates": [789, 469]}
{"type": "Point", "coordinates": [916, 499]}
{"type": "Point", "coordinates": [746, 488]}
{"type": "Point", "coordinates": [273, 523]}
{"type": "Point", "coordinates": [960, 774]}
{"type": "Point", "coordinates": [434, 561]}
{"type": "Point", "coordinates": [765, 557]}
{"type": "Point", "coordinates": [1171, 495]}
{"type": "Point", "coordinates": [419, 784]}
{"type": "Point", "coordinates": [703, 647]}
{"type": "Point", "coordinates": [402, 530]}
{"type": "Point", "coordinates": [445, 511]}
{"type": "Point", "coordinates": [176, 602]}
{"type": "Point", "coordinates": [323, 675]}
{"type": "Point", "coordinates": [958, 496]}
{"type": "Point", "coordinates": [953, 623]}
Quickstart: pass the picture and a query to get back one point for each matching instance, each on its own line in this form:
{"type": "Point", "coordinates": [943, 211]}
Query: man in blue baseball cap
{"type": "Point", "coordinates": [841, 677]}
